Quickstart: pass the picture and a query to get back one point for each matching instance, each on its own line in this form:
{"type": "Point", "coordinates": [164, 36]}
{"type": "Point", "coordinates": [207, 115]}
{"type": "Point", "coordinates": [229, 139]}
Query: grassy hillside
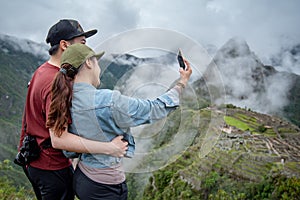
{"type": "Point", "coordinates": [16, 69]}
{"type": "Point", "coordinates": [255, 157]}
{"type": "Point", "coordinates": [13, 183]}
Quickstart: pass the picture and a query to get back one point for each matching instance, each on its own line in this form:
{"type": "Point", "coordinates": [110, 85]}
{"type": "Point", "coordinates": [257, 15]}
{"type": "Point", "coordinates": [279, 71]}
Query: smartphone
{"type": "Point", "coordinates": [180, 59]}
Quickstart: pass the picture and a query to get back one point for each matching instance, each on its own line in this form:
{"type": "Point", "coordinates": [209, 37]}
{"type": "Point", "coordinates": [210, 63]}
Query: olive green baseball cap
{"type": "Point", "coordinates": [77, 54]}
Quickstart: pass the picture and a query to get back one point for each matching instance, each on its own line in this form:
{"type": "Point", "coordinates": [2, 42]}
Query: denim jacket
{"type": "Point", "coordinates": [102, 114]}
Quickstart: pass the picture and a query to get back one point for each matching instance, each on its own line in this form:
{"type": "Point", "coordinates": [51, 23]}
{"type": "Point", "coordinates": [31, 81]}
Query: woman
{"type": "Point", "coordinates": [101, 114]}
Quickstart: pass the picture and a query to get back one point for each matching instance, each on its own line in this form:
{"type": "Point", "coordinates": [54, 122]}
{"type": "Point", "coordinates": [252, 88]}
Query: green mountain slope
{"type": "Point", "coordinates": [256, 156]}
{"type": "Point", "coordinates": [16, 68]}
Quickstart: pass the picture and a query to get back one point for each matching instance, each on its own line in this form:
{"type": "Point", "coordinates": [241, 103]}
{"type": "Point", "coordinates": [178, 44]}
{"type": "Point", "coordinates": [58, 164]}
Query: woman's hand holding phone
{"type": "Point", "coordinates": [185, 69]}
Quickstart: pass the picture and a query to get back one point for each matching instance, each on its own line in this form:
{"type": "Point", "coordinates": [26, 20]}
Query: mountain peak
{"type": "Point", "coordinates": [235, 47]}
{"type": "Point", "coordinates": [249, 83]}
{"type": "Point", "coordinates": [11, 44]}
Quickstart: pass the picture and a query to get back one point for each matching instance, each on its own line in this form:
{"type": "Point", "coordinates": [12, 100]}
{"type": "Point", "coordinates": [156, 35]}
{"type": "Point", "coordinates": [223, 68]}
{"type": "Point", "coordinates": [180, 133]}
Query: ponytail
{"type": "Point", "coordinates": [61, 99]}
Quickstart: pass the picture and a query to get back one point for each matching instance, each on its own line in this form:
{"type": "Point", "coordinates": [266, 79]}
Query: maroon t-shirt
{"type": "Point", "coordinates": [36, 109]}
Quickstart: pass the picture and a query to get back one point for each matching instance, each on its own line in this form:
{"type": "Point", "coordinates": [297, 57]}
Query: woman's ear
{"type": "Point", "coordinates": [89, 63]}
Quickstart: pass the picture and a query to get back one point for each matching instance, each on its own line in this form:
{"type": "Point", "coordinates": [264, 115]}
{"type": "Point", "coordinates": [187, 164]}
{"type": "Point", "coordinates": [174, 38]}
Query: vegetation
{"type": "Point", "coordinates": [216, 185]}
{"type": "Point", "coordinates": [10, 189]}
{"type": "Point", "coordinates": [16, 69]}
{"type": "Point", "coordinates": [238, 124]}
{"type": "Point", "coordinates": [240, 172]}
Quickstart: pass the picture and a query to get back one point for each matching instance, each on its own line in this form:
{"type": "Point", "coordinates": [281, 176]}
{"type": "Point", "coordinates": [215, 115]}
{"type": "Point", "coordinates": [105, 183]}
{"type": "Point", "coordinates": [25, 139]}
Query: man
{"type": "Point", "coordinates": [51, 173]}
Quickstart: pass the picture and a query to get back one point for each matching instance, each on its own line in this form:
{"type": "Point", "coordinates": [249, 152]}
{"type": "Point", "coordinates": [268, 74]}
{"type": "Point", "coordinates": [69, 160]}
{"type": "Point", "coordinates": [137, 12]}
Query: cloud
{"type": "Point", "coordinates": [266, 25]}
{"type": "Point", "coordinates": [248, 83]}
{"type": "Point", "coordinates": [288, 59]}
{"type": "Point", "coordinates": [33, 19]}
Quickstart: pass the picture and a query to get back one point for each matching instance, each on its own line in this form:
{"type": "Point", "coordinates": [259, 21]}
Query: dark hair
{"type": "Point", "coordinates": [61, 100]}
{"type": "Point", "coordinates": [53, 49]}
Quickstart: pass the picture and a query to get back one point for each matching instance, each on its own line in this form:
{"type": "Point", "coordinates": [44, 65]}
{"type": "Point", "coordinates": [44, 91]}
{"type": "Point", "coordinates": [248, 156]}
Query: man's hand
{"type": "Point", "coordinates": [74, 143]}
{"type": "Point", "coordinates": [118, 147]}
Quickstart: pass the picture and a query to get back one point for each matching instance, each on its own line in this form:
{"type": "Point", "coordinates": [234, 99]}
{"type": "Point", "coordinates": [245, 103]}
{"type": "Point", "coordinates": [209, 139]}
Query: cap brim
{"type": "Point", "coordinates": [99, 55]}
{"type": "Point", "coordinates": [86, 34]}
{"type": "Point", "coordinates": [90, 33]}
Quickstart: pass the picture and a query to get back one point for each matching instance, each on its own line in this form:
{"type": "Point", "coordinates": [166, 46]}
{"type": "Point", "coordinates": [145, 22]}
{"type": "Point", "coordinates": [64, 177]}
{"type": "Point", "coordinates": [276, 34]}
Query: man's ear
{"type": "Point", "coordinates": [63, 44]}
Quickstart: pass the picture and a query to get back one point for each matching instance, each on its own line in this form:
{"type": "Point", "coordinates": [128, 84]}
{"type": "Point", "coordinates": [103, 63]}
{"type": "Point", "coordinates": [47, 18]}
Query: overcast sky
{"type": "Point", "coordinates": [267, 25]}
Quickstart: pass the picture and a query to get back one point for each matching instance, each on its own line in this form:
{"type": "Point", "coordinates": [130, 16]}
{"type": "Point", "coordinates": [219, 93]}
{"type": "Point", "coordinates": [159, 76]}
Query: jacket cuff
{"type": "Point", "coordinates": [170, 98]}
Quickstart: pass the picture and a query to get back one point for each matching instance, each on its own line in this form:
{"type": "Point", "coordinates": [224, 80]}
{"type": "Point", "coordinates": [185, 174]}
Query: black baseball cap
{"type": "Point", "coordinates": [66, 29]}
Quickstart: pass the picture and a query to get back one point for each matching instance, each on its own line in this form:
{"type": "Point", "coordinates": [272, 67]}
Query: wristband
{"type": "Point", "coordinates": [180, 84]}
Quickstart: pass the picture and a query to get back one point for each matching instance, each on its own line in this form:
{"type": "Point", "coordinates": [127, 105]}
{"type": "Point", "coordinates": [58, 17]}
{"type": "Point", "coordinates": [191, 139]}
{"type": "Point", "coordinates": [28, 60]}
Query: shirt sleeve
{"type": "Point", "coordinates": [130, 112]}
